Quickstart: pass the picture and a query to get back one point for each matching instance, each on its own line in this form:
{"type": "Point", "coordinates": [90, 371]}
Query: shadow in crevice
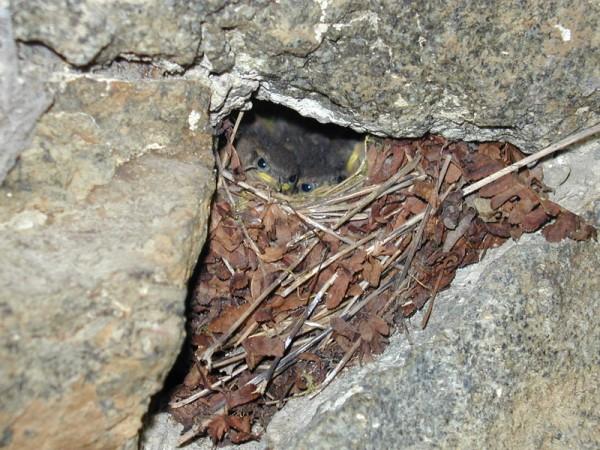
{"type": "Point", "coordinates": [159, 401]}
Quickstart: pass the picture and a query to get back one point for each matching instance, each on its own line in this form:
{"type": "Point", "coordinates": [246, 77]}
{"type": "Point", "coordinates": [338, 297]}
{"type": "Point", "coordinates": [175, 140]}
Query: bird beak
{"type": "Point", "coordinates": [268, 179]}
{"type": "Point", "coordinates": [286, 187]}
{"type": "Point", "coordinates": [353, 162]}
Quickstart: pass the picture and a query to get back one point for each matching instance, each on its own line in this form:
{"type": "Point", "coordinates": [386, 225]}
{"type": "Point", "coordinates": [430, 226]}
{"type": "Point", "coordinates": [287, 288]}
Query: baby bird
{"type": "Point", "coordinates": [266, 154]}
{"type": "Point", "coordinates": [327, 160]}
{"type": "Point", "coordinates": [290, 152]}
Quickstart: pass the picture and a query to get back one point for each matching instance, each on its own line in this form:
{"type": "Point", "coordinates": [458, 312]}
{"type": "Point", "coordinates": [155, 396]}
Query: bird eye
{"type": "Point", "coordinates": [262, 164]}
{"type": "Point", "coordinates": [307, 187]}
{"type": "Point", "coordinates": [293, 179]}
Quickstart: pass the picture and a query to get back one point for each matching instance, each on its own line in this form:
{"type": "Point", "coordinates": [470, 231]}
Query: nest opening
{"type": "Point", "coordinates": [294, 283]}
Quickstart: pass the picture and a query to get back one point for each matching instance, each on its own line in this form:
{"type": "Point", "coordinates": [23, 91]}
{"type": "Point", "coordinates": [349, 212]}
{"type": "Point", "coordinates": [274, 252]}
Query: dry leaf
{"type": "Point", "coordinates": [227, 318]}
{"type": "Point", "coordinates": [260, 346]}
{"type": "Point", "coordinates": [217, 428]}
{"type": "Point", "coordinates": [336, 293]}
{"type": "Point", "coordinates": [243, 395]}
{"type": "Point", "coordinates": [372, 271]}
{"type": "Point", "coordinates": [239, 280]}
{"type": "Point", "coordinates": [272, 254]}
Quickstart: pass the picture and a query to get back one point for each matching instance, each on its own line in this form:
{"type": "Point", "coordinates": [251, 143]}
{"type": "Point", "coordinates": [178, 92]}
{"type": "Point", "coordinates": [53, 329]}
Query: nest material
{"type": "Point", "coordinates": [292, 288]}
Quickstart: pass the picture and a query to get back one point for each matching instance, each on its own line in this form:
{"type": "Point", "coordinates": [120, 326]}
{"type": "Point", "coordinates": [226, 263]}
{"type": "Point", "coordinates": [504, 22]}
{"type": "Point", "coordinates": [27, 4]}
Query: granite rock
{"type": "Point", "coordinates": [102, 220]}
{"type": "Point", "coordinates": [527, 73]}
{"type": "Point", "coordinates": [104, 215]}
{"type": "Point", "coordinates": [22, 98]}
{"type": "Point", "coordinates": [96, 31]}
{"type": "Point", "coordinates": [524, 72]}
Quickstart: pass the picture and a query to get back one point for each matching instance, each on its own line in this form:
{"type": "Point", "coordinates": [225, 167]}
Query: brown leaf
{"type": "Point", "coordinates": [337, 292]}
{"type": "Point", "coordinates": [283, 232]}
{"type": "Point", "coordinates": [202, 340]}
{"type": "Point", "coordinates": [500, 185]}
{"type": "Point", "coordinates": [414, 205]}
{"type": "Point", "coordinates": [534, 220]}
{"type": "Point", "coordinates": [498, 200]}
{"type": "Point", "coordinates": [453, 174]}
{"type": "Point", "coordinates": [260, 346]}
{"type": "Point", "coordinates": [379, 325]}
{"type": "Point", "coordinates": [568, 224]}
{"type": "Point", "coordinates": [354, 263]}
{"type": "Point", "coordinates": [257, 283]}
{"type": "Point", "coordinates": [366, 332]}
{"type": "Point", "coordinates": [238, 258]}
{"type": "Point", "coordinates": [217, 427]}
{"type": "Point", "coordinates": [424, 190]}
{"type": "Point", "coordinates": [240, 423]}
{"type": "Point", "coordinates": [268, 220]}
{"type": "Point", "coordinates": [477, 166]}
{"type": "Point", "coordinates": [220, 270]}
{"type": "Point", "coordinates": [193, 377]}
{"type": "Point", "coordinates": [229, 235]}
{"type": "Point", "coordinates": [227, 318]}
{"type": "Point", "coordinates": [372, 271]}
{"type": "Point", "coordinates": [501, 229]}
{"type": "Point", "coordinates": [490, 149]}
{"type": "Point", "coordinates": [551, 208]}
{"type": "Point", "coordinates": [355, 289]}
{"type": "Point", "coordinates": [239, 280]}
{"type": "Point", "coordinates": [343, 328]}
{"type": "Point", "coordinates": [272, 254]}
{"type": "Point", "coordinates": [240, 437]}
{"type": "Point", "coordinates": [264, 314]}
{"type": "Point", "coordinates": [243, 395]}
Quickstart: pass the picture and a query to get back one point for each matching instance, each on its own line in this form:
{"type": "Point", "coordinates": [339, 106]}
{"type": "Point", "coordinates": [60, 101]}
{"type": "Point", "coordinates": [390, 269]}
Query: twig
{"type": "Point", "coordinates": [331, 375]}
{"type": "Point", "coordinates": [240, 222]}
{"type": "Point", "coordinates": [297, 326]}
{"type": "Point", "coordinates": [206, 391]}
{"type": "Point", "coordinates": [579, 136]}
{"type": "Point", "coordinates": [207, 355]}
{"type": "Point", "coordinates": [307, 275]}
{"type": "Point", "coordinates": [373, 195]}
{"type": "Point", "coordinates": [436, 289]}
{"type": "Point", "coordinates": [285, 207]}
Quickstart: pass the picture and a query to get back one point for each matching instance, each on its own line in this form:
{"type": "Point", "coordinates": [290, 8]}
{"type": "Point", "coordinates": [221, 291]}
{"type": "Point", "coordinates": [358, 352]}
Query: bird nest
{"type": "Point", "coordinates": [291, 288]}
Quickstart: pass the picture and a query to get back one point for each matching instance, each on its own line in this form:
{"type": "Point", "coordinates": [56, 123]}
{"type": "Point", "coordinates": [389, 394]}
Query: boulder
{"type": "Point", "coordinates": [102, 221]}
{"type": "Point", "coordinates": [525, 73]}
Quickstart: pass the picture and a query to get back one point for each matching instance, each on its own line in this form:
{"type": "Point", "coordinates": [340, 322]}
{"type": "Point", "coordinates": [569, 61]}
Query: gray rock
{"type": "Point", "coordinates": [514, 364]}
{"type": "Point", "coordinates": [22, 98]}
{"type": "Point", "coordinates": [478, 71]}
{"type": "Point", "coordinates": [101, 222]}
{"type": "Point", "coordinates": [525, 73]}
{"type": "Point", "coordinates": [95, 31]}
{"type": "Point", "coordinates": [104, 215]}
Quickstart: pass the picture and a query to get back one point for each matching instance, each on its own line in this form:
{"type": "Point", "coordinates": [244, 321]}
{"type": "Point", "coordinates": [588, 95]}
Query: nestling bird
{"type": "Point", "coordinates": [265, 154]}
{"type": "Point", "coordinates": [290, 152]}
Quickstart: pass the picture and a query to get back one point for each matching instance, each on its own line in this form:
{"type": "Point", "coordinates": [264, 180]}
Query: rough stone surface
{"type": "Point", "coordinates": [515, 333]}
{"type": "Point", "coordinates": [93, 31]}
{"type": "Point", "coordinates": [515, 364]}
{"type": "Point", "coordinates": [101, 222]}
{"type": "Point", "coordinates": [524, 72]}
{"type": "Point", "coordinates": [22, 98]}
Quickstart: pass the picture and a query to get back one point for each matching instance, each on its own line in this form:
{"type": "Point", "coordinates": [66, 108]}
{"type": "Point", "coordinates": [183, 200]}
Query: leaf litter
{"type": "Point", "coordinates": [292, 288]}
